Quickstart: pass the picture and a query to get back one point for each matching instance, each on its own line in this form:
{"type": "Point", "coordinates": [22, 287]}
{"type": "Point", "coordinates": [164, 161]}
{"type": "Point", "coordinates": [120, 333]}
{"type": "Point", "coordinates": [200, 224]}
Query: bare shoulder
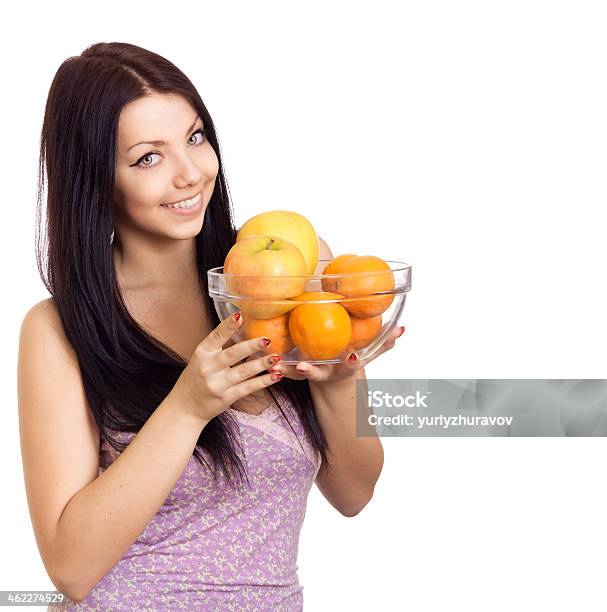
{"type": "Point", "coordinates": [58, 434]}
{"type": "Point", "coordinates": [40, 309]}
{"type": "Point", "coordinates": [41, 314]}
{"type": "Point", "coordinates": [48, 360]}
{"type": "Point", "coordinates": [42, 333]}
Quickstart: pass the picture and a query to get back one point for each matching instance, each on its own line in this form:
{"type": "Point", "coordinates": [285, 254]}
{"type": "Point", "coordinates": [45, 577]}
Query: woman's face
{"type": "Point", "coordinates": [149, 176]}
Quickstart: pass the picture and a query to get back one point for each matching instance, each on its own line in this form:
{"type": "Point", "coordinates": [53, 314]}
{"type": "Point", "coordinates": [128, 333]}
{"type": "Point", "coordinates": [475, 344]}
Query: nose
{"type": "Point", "coordinates": [186, 172]}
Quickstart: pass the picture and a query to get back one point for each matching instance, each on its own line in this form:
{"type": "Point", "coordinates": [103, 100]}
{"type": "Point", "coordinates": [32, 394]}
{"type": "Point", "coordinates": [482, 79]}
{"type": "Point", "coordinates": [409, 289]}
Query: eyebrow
{"type": "Point", "coordinates": [158, 143]}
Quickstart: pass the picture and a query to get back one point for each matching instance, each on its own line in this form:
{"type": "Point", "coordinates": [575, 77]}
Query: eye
{"type": "Point", "coordinates": [146, 156]}
{"type": "Point", "coordinates": [199, 132]}
{"type": "Point", "coordinates": [202, 135]}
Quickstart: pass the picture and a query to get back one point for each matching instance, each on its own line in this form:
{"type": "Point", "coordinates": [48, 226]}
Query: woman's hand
{"type": "Point", "coordinates": [334, 371]}
{"type": "Point", "coordinates": [214, 379]}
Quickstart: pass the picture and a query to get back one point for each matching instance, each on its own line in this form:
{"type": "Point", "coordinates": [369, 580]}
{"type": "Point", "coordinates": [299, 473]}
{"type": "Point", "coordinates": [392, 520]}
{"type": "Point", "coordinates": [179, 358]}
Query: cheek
{"type": "Point", "coordinates": [142, 188]}
{"type": "Point", "coordinates": [209, 164]}
{"type": "Point", "coordinates": [215, 164]}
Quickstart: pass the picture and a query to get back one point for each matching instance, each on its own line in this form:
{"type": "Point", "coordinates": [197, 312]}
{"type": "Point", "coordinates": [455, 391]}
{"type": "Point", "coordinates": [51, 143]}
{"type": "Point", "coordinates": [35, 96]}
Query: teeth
{"type": "Point", "coordinates": [185, 203]}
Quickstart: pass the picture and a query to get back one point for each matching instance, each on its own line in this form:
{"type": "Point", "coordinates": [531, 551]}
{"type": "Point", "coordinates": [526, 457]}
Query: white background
{"type": "Point", "coordinates": [465, 138]}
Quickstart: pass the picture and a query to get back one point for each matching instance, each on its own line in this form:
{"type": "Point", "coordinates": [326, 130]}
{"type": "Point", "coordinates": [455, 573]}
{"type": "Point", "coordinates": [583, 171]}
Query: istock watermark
{"type": "Point", "coordinates": [379, 398]}
{"type": "Point", "coordinates": [481, 407]}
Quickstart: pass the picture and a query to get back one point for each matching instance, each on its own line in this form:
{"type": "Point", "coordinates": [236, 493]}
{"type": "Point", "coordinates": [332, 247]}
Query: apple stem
{"type": "Point", "coordinates": [271, 243]}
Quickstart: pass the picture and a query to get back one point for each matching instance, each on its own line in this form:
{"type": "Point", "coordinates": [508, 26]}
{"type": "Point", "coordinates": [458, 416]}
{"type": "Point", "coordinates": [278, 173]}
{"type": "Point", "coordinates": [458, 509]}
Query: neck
{"type": "Point", "coordinates": [168, 265]}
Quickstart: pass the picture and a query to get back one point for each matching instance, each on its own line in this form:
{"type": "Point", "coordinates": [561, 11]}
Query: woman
{"type": "Point", "coordinates": [159, 471]}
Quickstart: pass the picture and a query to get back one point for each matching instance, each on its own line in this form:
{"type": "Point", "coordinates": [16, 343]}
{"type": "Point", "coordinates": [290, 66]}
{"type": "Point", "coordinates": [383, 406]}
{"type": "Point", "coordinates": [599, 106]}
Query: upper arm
{"type": "Point", "coordinates": [58, 434]}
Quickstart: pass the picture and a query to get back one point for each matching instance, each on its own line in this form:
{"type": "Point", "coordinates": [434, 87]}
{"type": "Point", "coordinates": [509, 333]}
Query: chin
{"type": "Point", "coordinates": [186, 234]}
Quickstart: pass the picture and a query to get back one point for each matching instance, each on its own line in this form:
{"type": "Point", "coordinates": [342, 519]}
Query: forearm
{"type": "Point", "coordinates": [355, 463]}
{"type": "Point", "coordinates": [103, 520]}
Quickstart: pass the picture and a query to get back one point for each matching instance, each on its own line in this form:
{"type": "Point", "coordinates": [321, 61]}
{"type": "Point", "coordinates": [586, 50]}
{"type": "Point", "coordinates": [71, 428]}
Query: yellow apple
{"type": "Point", "coordinates": [264, 268]}
{"type": "Point", "coordinates": [288, 225]}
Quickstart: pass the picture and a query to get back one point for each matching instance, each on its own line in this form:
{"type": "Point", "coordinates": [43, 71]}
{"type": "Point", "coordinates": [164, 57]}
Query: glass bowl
{"type": "Point", "coordinates": [354, 313]}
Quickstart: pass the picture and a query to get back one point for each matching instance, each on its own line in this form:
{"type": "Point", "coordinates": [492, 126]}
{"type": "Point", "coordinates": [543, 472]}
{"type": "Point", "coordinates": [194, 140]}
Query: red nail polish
{"type": "Point", "coordinates": [402, 331]}
{"type": "Point", "coordinates": [266, 341]}
{"type": "Point", "coordinates": [236, 317]}
{"type": "Point", "coordinates": [275, 359]}
{"type": "Point", "coordinates": [352, 357]}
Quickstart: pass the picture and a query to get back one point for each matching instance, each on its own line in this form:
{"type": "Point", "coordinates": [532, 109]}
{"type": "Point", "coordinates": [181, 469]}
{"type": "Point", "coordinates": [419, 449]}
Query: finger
{"type": "Point", "coordinates": [351, 361]}
{"type": "Point", "coordinates": [302, 367]}
{"type": "Point", "coordinates": [230, 342]}
{"type": "Point", "coordinates": [312, 372]}
{"type": "Point", "coordinates": [288, 370]}
{"type": "Point", "coordinates": [240, 351]}
{"type": "Point", "coordinates": [221, 334]}
{"type": "Point", "coordinates": [396, 333]}
{"type": "Point", "coordinates": [380, 351]}
{"type": "Point", "coordinates": [247, 369]}
{"type": "Point", "coordinates": [249, 386]}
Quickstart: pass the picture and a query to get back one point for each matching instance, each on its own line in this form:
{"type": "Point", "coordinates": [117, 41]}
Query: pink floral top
{"type": "Point", "coordinates": [210, 547]}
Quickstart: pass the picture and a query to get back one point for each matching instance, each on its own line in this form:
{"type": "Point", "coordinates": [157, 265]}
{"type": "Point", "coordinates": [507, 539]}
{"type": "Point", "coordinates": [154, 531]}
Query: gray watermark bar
{"type": "Point", "coordinates": [481, 407]}
{"type": "Point", "coordinates": [32, 598]}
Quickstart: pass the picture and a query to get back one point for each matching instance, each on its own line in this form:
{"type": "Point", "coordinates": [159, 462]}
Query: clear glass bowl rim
{"type": "Point", "coordinates": [405, 268]}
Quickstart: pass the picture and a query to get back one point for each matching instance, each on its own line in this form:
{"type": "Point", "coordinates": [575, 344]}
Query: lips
{"type": "Point", "coordinates": [189, 212]}
{"type": "Point", "coordinates": [183, 200]}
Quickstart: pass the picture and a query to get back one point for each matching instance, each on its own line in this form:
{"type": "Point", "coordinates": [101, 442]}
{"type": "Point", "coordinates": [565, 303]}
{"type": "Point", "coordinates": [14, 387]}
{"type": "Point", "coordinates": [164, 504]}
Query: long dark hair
{"type": "Point", "coordinates": [126, 372]}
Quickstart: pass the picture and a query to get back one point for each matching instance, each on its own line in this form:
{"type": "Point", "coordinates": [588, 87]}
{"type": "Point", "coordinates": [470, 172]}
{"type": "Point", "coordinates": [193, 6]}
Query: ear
{"type": "Point", "coordinates": [324, 252]}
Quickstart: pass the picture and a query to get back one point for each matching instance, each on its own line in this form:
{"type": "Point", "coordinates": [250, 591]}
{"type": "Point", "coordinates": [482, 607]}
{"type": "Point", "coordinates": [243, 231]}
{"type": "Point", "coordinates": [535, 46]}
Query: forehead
{"type": "Point", "coordinates": [153, 117]}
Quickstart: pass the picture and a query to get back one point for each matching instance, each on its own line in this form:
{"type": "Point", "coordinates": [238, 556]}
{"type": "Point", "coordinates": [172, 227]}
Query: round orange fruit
{"type": "Point", "coordinates": [334, 267]}
{"type": "Point", "coordinates": [364, 331]}
{"type": "Point", "coordinates": [371, 275]}
{"type": "Point", "coordinates": [320, 330]}
{"type": "Point", "coordinates": [277, 329]}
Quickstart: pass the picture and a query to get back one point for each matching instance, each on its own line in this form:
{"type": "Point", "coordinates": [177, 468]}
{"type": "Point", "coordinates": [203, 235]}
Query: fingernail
{"type": "Point", "coordinates": [352, 357]}
{"type": "Point", "coordinates": [276, 376]}
{"type": "Point", "coordinates": [402, 331]}
{"type": "Point", "coordinates": [236, 317]}
{"type": "Point", "coordinates": [265, 341]}
{"type": "Point", "coordinates": [274, 359]}
{"type": "Point", "coordinates": [301, 370]}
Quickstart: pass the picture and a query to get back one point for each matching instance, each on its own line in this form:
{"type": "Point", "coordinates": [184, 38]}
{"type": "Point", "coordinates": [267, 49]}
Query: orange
{"type": "Point", "coordinates": [364, 331]}
{"type": "Point", "coordinates": [277, 329]}
{"type": "Point", "coordinates": [330, 284]}
{"type": "Point", "coordinates": [320, 331]}
{"type": "Point", "coordinates": [379, 278]}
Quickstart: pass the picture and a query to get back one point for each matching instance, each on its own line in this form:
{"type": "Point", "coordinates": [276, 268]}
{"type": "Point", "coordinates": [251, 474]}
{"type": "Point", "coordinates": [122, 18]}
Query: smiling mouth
{"type": "Point", "coordinates": [185, 204]}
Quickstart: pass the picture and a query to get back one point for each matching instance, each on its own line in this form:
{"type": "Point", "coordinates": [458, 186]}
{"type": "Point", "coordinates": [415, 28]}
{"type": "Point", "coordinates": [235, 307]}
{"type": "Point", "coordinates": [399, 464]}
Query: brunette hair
{"type": "Point", "coordinates": [126, 372]}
